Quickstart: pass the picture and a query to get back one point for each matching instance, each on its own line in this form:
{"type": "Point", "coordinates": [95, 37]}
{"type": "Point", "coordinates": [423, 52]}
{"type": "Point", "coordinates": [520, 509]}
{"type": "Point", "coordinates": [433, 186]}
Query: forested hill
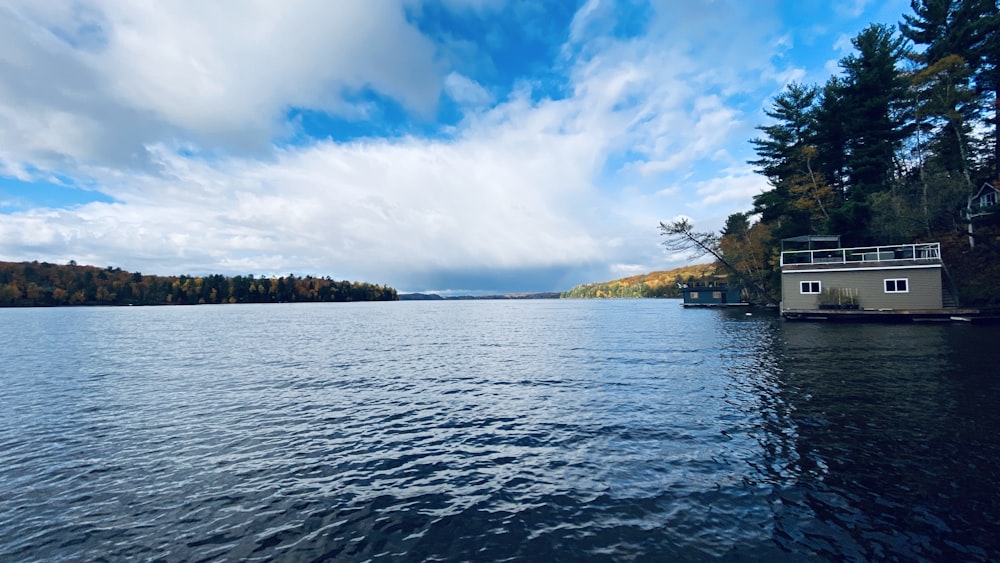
{"type": "Point", "coordinates": [655, 284]}
{"type": "Point", "coordinates": [34, 284]}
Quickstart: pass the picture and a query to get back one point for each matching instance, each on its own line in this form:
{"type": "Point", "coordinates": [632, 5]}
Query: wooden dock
{"type": "Point", "coordinates": [887, 315]}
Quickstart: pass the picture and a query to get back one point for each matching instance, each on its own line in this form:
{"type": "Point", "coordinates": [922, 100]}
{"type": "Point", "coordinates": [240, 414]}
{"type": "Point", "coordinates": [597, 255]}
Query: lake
{"type": "Point", "coordinates": [548, 430]}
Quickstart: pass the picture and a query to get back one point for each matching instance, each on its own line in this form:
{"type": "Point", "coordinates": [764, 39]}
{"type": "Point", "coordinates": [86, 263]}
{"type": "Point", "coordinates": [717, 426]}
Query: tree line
{"type": "Point", "coordinates": [27, 284]}
{"type": "Point", "coordinates": [622, 290]}
{"type": "Point", "coordinates": [654, 284]}
{"type": "Point", "coordinates": [889, 151]}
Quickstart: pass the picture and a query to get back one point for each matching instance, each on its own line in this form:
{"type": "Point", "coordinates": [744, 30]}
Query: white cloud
{"type": "Point", "coordinates": [851, 8]}
{"type": "Point", "coordinates": [215, 66]}
{"type": "Point", "coordinates": [489, 200]}
{"type": "Point", "coordinates": [789, 75]}
{"type": "Point", "coordinates": [844, 44]}
{"type": "Point", "coordinates": [627, 270]}
{"type": "Point", "coordinates": [736, 187]}
{"type": "Point", "coordinates": [584, 17]}
{"type": "Point", "coordinates": [103, 79]}
{"type": "Point", "coordinates": [466, 91]}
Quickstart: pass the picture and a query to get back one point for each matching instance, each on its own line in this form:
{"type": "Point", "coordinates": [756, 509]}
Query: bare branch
{"type": "Point", "coordinates": [681, 237]}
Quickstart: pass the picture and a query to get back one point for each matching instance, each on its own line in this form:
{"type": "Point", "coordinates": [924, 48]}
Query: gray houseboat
{"type": "Point", "coordinates": [719, 295]}
{"type": "Point", "coordinates": [897, 282]}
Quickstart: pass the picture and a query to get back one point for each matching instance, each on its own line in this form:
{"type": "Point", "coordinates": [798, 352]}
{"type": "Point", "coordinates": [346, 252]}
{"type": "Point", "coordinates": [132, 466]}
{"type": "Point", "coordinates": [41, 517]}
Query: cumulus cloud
{"type": "Point", "coordinates": [102, 79]}
{"type": "Point", "coordinates": [488, 200]}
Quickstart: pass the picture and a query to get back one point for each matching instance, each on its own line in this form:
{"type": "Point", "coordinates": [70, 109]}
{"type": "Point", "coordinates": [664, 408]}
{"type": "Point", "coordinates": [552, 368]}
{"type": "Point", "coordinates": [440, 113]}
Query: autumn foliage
{"type": "Point", "coordinates": [27, 284]}
{"type": "Point", "coordinates": [655, 284]}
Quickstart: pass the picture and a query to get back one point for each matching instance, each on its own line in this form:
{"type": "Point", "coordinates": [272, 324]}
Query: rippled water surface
{"type": "Point", "coordinates": [493, 430]}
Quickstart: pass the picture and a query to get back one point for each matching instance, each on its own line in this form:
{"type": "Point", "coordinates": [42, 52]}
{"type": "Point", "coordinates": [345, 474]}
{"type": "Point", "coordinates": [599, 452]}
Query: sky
{"type": "Point", "coordinates": [450, 146]}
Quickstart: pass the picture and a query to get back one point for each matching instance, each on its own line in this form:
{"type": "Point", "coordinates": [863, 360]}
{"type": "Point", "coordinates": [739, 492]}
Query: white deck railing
{"type": "Point", "coordinates": [893, 253]}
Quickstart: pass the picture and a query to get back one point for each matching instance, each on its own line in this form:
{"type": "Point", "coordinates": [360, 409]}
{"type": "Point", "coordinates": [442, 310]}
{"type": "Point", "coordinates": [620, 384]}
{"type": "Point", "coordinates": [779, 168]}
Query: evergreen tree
{"type": "Point", "coordinates": [875, 95]}
{"type": "Point", "coordinates": [830, 137]}
{"type": "Point", "coordinates": [970, 31]}
{"type": "Point", "coordinates": [780, 157]}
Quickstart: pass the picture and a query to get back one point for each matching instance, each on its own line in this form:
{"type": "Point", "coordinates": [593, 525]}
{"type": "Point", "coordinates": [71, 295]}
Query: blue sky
{"type": "Point", "coordinates": [442, 145]}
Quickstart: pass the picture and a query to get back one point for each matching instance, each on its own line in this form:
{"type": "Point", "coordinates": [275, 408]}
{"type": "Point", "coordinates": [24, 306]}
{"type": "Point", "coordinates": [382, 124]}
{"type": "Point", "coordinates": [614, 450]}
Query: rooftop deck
{"type": "Point", "coordinates": [893, 254]}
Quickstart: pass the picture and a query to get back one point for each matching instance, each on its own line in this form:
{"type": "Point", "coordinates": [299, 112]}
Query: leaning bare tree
{"type": "Point", "coordinates": [681, 237]}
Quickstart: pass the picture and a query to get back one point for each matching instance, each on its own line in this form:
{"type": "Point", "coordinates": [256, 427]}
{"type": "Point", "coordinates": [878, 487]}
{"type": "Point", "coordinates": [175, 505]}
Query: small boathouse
{"type": "Point", "coordinates": [821, 280]}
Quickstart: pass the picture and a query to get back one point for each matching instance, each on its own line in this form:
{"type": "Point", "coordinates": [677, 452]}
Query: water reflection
{"type": "Point", "coordinates": [878, 441]}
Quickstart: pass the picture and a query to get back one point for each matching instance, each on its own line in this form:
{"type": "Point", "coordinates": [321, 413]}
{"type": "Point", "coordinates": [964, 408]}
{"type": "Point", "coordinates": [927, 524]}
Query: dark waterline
{"type": "Point", "coordinates": [542, 430]}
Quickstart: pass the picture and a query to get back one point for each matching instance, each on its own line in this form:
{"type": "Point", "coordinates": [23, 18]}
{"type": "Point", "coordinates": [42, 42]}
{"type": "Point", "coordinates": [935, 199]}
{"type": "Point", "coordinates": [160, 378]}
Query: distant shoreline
{"type": "Point", "coordinates": [41, 284]}
{"type": "Point", "coordinates": [436, 297]}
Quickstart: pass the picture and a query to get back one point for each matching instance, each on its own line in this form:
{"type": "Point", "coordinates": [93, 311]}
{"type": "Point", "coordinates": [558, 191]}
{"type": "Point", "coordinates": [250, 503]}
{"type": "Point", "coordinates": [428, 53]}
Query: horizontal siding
{"type": "Point", "coordinates": [924, 288]}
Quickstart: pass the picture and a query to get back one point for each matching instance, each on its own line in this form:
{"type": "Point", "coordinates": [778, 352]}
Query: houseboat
{"type": "Point", "coordinates": [716, 295]}
{"type": "Point", "coordinates": [905, 282]}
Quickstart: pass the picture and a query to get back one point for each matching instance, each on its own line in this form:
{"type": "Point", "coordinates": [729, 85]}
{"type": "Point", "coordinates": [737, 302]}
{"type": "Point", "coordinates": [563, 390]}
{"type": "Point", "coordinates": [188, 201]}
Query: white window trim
{"type": "Point", "coordinates": [802, 287]}
{"type": "Point", "coordinates": [885, 285]}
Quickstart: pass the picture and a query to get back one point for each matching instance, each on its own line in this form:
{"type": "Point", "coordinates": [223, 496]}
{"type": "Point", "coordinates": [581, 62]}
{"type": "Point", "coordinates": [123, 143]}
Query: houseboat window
{"type": "Point", "coordinates": [716, 295]}
{"type": "Point", "coordinates": [901, 285]}
{"type": "Point", "coordinates": [809, 287]}
{"type": "Point", "coordinates": [693, 294]}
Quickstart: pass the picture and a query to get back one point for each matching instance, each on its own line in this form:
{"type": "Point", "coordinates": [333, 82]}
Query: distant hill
{"type": "Point", "coordinates": [654, 284]}
{"type": "Point", "coordinates": [436, 297]}
{"type": "Point", "coordinates": [509, 296]}
{"type": "Point", "coordinates": [420, 297]}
